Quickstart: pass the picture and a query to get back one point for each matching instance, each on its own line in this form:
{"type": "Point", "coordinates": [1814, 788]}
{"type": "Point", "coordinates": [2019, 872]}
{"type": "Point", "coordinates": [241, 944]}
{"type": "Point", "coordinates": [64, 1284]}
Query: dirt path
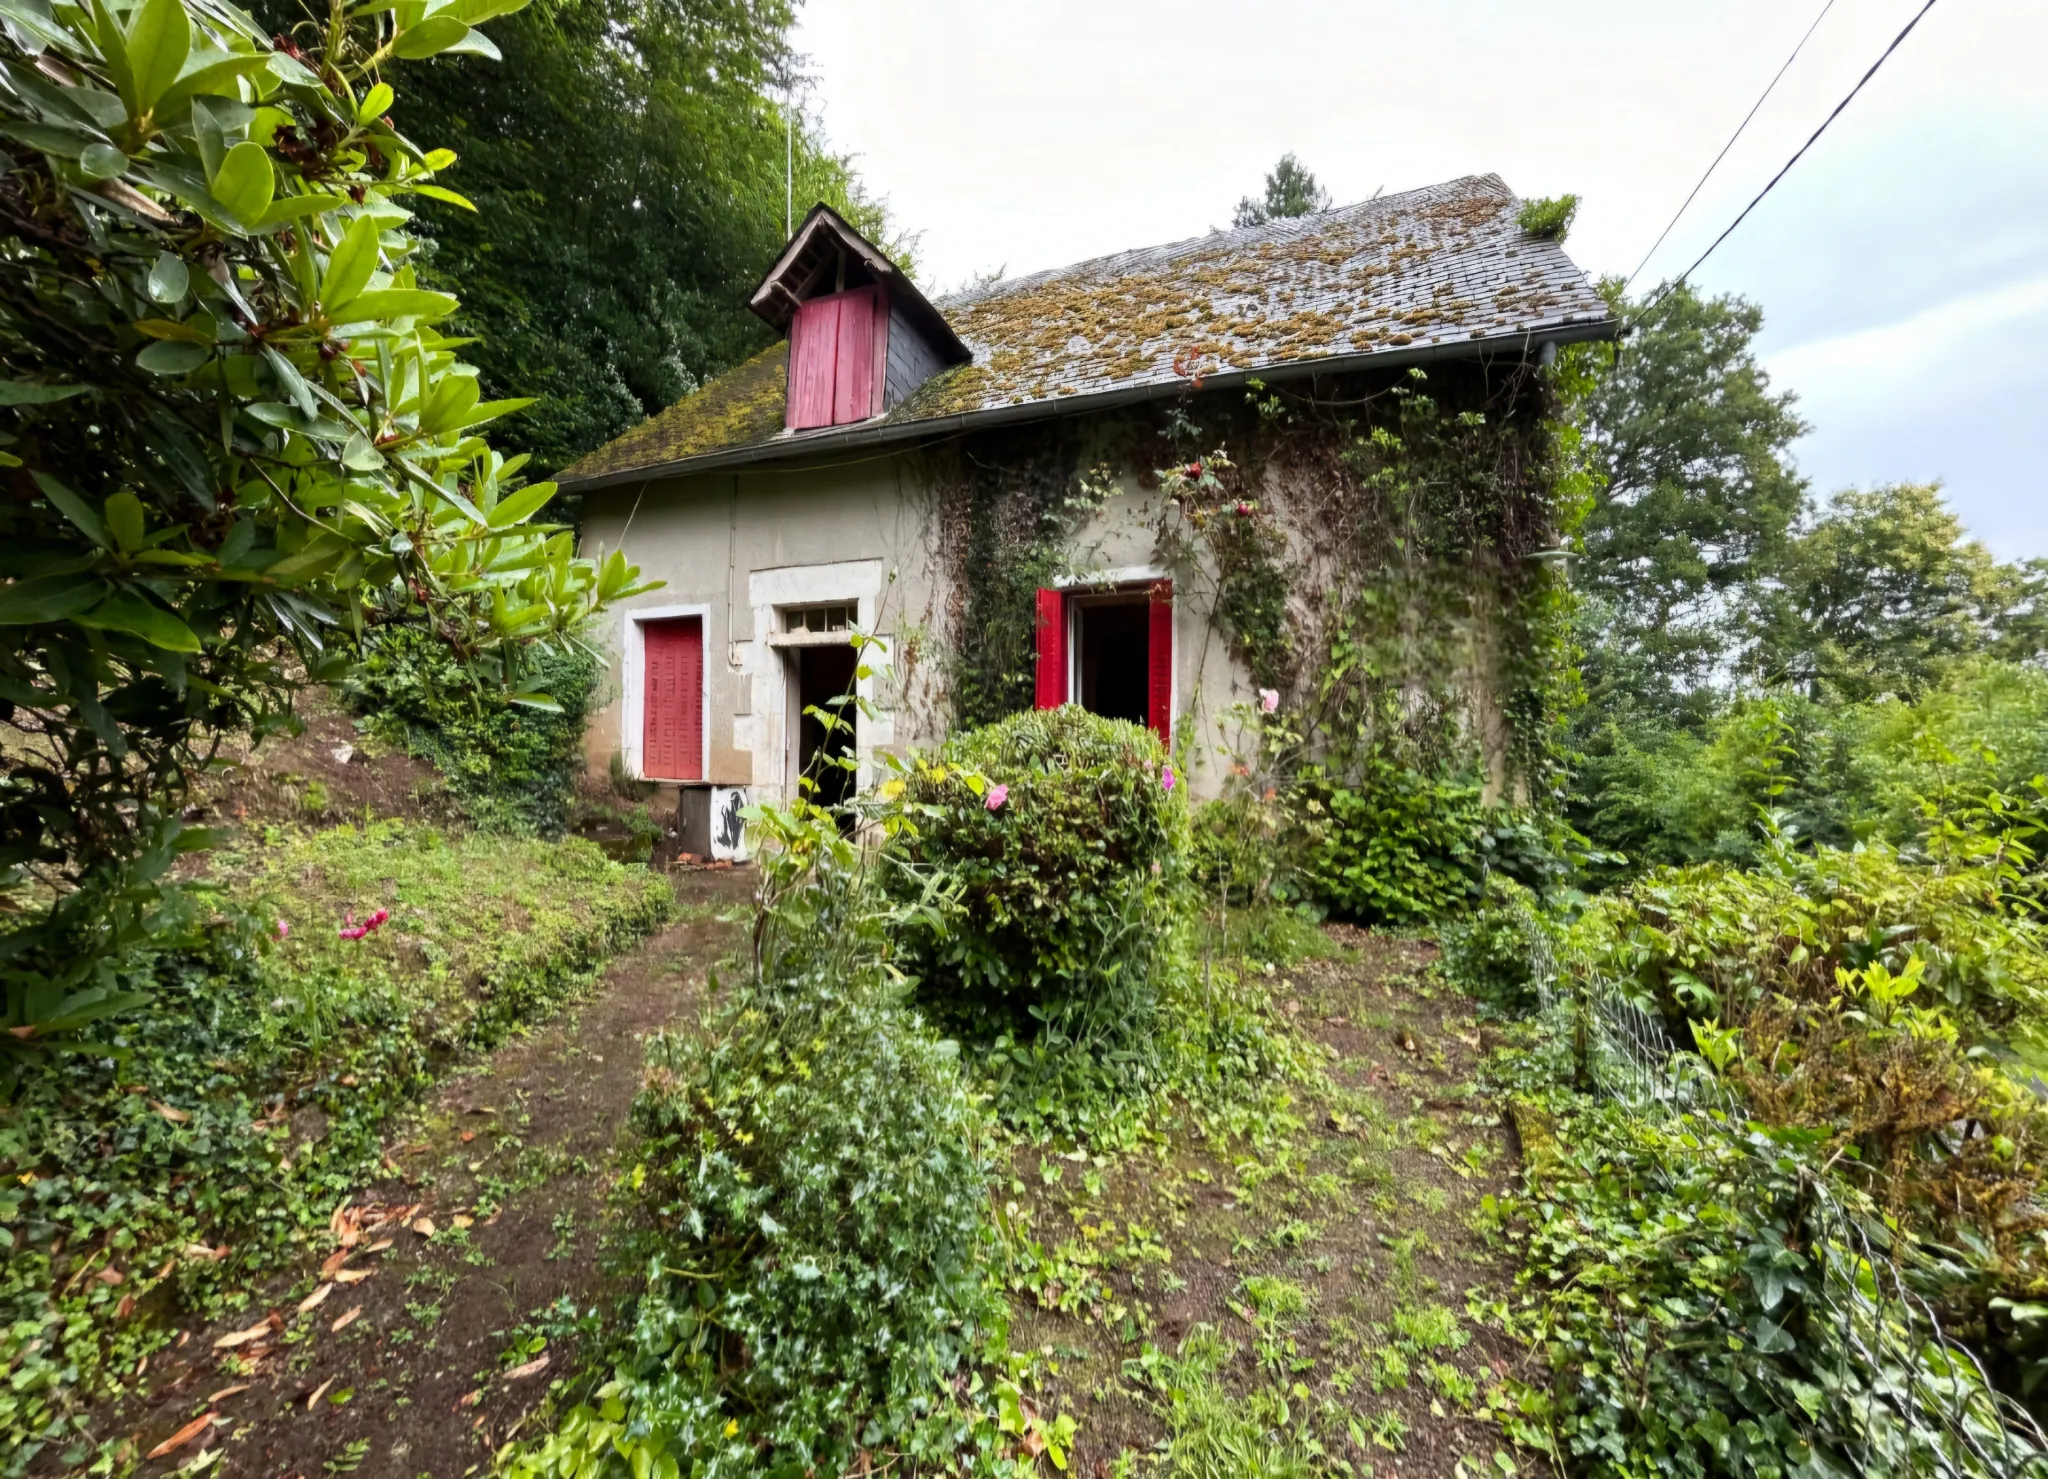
{"type": "Point", "coordinates": [422, 1356]}
{"type": "Point", "coordinates": [1311, 1293]}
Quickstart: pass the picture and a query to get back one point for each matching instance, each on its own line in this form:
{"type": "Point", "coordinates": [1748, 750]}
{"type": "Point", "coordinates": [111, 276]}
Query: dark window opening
{"type": "Point", "coordinates": [825, 674]}
{"type": "Point", "coordinates": [1115, 658]}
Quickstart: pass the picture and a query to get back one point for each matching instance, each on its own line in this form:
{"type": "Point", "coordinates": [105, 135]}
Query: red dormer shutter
{"type": "Point", "coordinates": [813, 357]}
{"type": "Point", "coordinates": [838, 358]}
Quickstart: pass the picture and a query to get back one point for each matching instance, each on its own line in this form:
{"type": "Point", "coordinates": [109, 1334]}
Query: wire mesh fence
{"type": "Point", "coordinates": [1920, 1401]}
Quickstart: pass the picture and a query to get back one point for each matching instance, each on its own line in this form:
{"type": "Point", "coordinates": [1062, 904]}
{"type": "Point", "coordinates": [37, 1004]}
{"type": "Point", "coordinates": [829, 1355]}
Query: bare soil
{"type": "Point", "coordinates": [1366, 1207]}
{"type": "Point", "coordinates": [420, 1357]}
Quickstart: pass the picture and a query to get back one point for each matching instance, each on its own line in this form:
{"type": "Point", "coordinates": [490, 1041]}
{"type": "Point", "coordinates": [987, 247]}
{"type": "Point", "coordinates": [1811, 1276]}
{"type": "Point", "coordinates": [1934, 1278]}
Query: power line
{"type": "Point", "coordinates": [1660, 294]}
{"type": "Point", "coordinates": [1830, 5]}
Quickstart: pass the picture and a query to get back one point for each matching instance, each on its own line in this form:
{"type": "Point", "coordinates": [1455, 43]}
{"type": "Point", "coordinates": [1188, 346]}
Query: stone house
{"type": "Point", "coordinates": [826, 485]}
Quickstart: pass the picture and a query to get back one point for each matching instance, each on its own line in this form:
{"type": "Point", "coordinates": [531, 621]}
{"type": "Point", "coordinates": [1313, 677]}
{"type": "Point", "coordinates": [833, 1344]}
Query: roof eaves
{"type": "Point", "coordinates": [883, 432]}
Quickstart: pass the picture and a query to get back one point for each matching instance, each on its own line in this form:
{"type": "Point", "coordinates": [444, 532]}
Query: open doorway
{"type": "Point", "coordinates": [1113, 660]}
{"type": "Point", "coordinates": [824, 674]}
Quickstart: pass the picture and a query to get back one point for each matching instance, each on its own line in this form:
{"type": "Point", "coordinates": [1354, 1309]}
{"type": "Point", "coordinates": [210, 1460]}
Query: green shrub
{"type": "Point", "coordinates": [510, 764]}
{"type": "Point", "coordinates": [1501, 952]}
{"type": "Point", "coordinates": [269, 1069]}
{"type": "Point", "coordinates": [1874, 1004]}
{"type": "Point", "coordinates": [1400, 846]}
{"type": "Point", "coordinates": [1064, 920]}
{"type": "Point", "coordinates": [1678, 1272]}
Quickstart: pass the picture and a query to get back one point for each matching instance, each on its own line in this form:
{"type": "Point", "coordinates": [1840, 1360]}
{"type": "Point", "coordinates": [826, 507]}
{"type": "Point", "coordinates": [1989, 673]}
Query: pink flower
{"type": "Point", "coordinates": [1269, 699]}
{"type": "Point", "coordinates": [284, 930]}
{"type": "Point", "coordinates": [997, 795]}
{"type": "Point", "coordinates": [1244, 510]}
{"type": "Point", "coordinates": [1166, 775]}
{"type": "Point", "coordinates": [376, 919]}
{"type": "Point", "coordinates": [354, 932]}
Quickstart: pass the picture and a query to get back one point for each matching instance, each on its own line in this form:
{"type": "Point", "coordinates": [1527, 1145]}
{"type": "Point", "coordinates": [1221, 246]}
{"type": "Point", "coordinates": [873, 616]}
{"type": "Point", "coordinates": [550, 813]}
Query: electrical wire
{"type": "Point", "coordinates": [1897, 40]}
{"type": "Point", "coordinates": [1758, 104]}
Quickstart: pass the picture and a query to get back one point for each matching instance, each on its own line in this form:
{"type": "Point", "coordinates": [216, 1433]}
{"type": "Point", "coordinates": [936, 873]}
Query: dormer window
{"type": "Point", "coordinates": [861, 336]}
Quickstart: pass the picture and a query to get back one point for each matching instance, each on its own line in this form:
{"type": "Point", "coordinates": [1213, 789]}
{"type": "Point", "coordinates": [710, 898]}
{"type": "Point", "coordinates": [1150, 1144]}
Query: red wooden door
{"type": "Point", "coordinates": [1159, 664]}
{"type": "Point", "coordinates": [1052, 650]}
{"type": "Point", "coordinates": [672, 700]}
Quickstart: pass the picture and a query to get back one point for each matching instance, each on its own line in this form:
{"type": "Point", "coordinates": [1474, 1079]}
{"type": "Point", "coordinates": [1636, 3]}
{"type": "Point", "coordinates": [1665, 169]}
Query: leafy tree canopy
{"type": "Point", "coordinates": [1290, 191]}
{"type": "Point", "coordinates": [626, 160]}
{"type": "Point", "coordinates": [1699, 497]}
{"type": "Point", "coordinates": [1885, 593]}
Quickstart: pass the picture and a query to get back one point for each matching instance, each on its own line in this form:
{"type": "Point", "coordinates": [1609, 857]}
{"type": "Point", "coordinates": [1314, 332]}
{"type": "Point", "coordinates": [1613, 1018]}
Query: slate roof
{"type": "Point", "coordinates": [1405, 277]}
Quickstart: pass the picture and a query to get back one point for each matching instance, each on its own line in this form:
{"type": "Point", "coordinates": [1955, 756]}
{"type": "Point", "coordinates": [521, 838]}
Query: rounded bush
{"type": "Point", "coordinates": [1067, 865]}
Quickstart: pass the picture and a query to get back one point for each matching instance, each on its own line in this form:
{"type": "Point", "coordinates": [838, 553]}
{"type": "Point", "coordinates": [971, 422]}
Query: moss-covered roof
{"type": "Point", "coordinates": [1434, 268]}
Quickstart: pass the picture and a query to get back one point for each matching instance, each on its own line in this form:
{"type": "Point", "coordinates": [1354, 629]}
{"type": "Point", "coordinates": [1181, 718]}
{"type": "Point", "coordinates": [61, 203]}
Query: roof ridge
{"type": "Point", "coordinates": [1278, 227]}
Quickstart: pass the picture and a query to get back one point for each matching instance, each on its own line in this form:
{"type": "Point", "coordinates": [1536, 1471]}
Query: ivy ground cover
{"type": "Point", "coordinates": [211, 1136]}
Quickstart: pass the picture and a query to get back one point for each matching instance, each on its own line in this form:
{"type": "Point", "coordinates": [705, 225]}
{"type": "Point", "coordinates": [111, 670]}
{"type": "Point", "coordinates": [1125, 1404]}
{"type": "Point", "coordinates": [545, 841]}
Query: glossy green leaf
{"type": "Point", "coordinates": [102, 162]}
{"type": "Point", "coordinates": [350, 265]}
{"type": "Point", "coordinates": [126, 611]}
{"type": "Point", "coordinates": [517, 507]}
{"type": "Point", "coordinates": [172, 357]}
{"type": "Point", "coordinates": [246, 181]}
{"type": "Point", "coordinates": [388, 303]}
{"type": "Point", "coordinates": [435, 33]}
{"type": "Point", "coordinates": [169, 278]}
{"type": "Point", "coordinates": [74, 508]}
{"type": "Point", "coordinates": [376, 102]}
{"type": "Point", "coordinates": [125, 521]}
{"type": "Point", "coordinates": [159, 38]}
{"type": "Point", "coordinates": [30, 393]}
{"type": "Point", "coordinates": [48, 598]}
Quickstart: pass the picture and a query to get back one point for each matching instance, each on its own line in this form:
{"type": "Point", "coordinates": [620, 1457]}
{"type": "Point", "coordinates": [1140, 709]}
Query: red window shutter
{"type": "Point", "coordinates": [813, 363]}
{"type": "Point", "coordinates": [1159, 668]}
{"type": "Point", "coordinates": [672, 700]}
{"type": "Point", "coordinates": [854, 384]}
{"type": "Point", "coordinates": [1052, 649]}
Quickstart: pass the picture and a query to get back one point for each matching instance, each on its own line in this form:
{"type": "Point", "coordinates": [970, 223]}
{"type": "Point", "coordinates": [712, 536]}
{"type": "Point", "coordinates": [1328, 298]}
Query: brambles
{"type": "Point", "coordinates": [510, 759]}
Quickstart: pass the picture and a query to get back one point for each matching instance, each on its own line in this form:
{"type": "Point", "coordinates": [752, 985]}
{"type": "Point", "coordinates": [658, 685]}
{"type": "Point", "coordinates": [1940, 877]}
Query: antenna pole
{"type": "Point", "coordinates": [788, 158]}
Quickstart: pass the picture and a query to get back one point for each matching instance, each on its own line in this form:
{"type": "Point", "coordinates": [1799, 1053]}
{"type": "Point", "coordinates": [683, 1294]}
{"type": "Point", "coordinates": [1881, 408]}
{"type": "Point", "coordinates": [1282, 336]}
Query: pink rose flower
{"type": "Point", "coordinates": [284, 930]}
{"type": "Point", "coordinates": [1166, 775]}
{"type": "Point", "coordinates": [997, 795]}
{"type": "Point", "coordinates": [1269, 699]}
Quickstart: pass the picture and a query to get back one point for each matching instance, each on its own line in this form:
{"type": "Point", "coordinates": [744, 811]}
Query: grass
{"type": "Point", "coordinates": [208, 1139]}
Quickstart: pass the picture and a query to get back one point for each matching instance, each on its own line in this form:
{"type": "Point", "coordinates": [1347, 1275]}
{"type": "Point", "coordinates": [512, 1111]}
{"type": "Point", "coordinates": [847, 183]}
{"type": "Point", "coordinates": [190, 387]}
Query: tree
{"type": "Point", "coordinates": [626, 158]}
{"type": "Point", "coordinates": [232, 429]}
{"type": "Point", "coordinates": [1882, 595]}
{"type": "Point", "coordinates": [1698, 501]}
{"type": "Point", "coordinates": [1290, 191]}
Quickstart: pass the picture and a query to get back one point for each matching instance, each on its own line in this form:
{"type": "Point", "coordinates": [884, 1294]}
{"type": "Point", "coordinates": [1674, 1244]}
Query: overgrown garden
{"type": "Point", "coordinates": [1041, 1118]}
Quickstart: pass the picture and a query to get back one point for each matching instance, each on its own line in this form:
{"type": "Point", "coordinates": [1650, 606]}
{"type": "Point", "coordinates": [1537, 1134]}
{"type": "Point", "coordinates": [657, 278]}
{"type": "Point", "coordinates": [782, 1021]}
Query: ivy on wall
{"type": "Point", "coordinates": [1385, 551]}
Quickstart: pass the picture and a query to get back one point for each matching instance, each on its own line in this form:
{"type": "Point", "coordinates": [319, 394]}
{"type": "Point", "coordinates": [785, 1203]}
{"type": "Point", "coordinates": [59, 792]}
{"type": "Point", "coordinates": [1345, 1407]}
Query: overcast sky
{"type": "Point", "coordinates": [1902, 267]}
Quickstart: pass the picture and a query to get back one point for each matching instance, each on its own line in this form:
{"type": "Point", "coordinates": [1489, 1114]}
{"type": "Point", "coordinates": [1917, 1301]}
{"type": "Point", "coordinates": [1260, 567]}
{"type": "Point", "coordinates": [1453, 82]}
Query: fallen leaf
{"type": "Point", "coordinates": [184, 1435]}
{"type": "Point", "coordinates": [243, 1337]}
{"type": "Point", "coordinates": [467, 1136]}
{"type": "Point", "coordinates": [226, 1392]}
{"type": "Point", "coordinates": [462, 1220]}
{"type": "Point", "coordinates": [314, 1300]}
{"type": "Point", "coordinates": [425, 1227]}
{"type": "Point", "coordinates": [531, 1368]}
{"type": "Point", "coordinates": [200, 1250]}
{"type": "Point", "coordinates": [348, 1080]}
{"type": "Point", "coordinates": [346, 1320]}
{"type": "Point", "coordinates": [109, 1276]}
{"type": "Point", "coordinates": [379, 1246]}
{"type": "Point", "coordinates": [470, 1399]}
{"type": "Point", "coordinates": [334, 1261]}
{"type": "Point", "coordinates": [353, 1275]}
{"type": "Point", "coordinates": [125, 1308]}
{"type": "Point", "coordinates": [175, 1116]}
{"type": "Point", "coordinates": [319, 1392]}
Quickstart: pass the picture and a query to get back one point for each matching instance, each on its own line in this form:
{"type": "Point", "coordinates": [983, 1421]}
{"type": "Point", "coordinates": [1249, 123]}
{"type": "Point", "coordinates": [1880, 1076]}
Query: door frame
{"type": "Point", "coordinates": [633, 684]}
